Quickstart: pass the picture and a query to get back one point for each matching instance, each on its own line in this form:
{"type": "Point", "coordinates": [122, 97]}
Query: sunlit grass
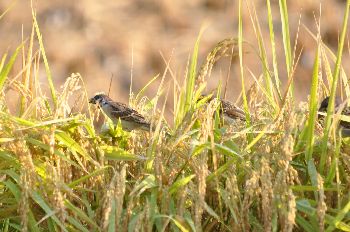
{"type": "Point", "coordinates": [280, 170]}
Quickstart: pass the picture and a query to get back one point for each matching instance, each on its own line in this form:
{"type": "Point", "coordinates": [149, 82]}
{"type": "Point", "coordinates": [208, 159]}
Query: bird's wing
{"type": "Point", "coordinates": [232, 111]}
{"type": "Point", "coordinates": [124, 112]}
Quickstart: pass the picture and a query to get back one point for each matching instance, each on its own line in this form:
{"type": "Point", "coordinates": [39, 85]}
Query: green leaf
{"type": "Point", "coordinates": [220, 170]}
{"type": "Point", "coordinates": [191, 75]}
{"type": "Point", "coordinates": [305, 224]}
{"type": "Point", "coordinates": [17, 120]}
{"type": "Point", "coordinates": [7, 68]}
{"type": "Point", "coordinates": [313, 105]}
{"type": "Point", "coordinates": [7, 156]}
{"type": "Point", "coordinates": [312, 172]}
{"type": "Point", "coordinates": [302, 188]}
{"type": "Point", "coordinates": [180, 183]}
{"type": "Point", "coordinates": [335, 164]}
{"type": "Point", "coordinates": [12, 174]}
{"type": "Point", "coordinates": [77, 211]}
{"type": "Point", "coordinates": [74, 183]}
{"type": "Point", "coordinates": [14, 188]}
{"type": "Point", "coordinates": [46, 123]}
{"type": "Point", "coordinates": [304, 206]}
{"type": "Point", "coordinates": [226, 151]}
{"type": "Point", "coordinates": [176, 222]}
{"type": "Point", "coordinates": [70, 143]}
{"type": "Point", "coordinates": [46, 63]}
{"type": "Point", "coordinates": [286, 35]}
{"type": "Point", "coordinates": [273, 49]}
{"type": "Point", "coordinates": [140, 93]}
{"type": "Point", "coordinates": [77, 224]}
{"type": "Point", "coordinates": [49, 212]}
{"type": "Point", "coordinates": [337, 221]}
{"type": "Point", "coordinates": [334, 86]}
{"type": "Point", "coordinates": [47, 148]}
{"type": "Point", "coordinates": [210, 211]}
{"type": "Point", "coordinates": [147, 183]}
{"type": "Point", "coordinates": [116, 153]}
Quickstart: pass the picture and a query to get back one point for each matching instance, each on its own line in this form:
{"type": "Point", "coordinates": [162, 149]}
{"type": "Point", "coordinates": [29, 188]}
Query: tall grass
{"type": "Point", "coordinates": [278, 171]}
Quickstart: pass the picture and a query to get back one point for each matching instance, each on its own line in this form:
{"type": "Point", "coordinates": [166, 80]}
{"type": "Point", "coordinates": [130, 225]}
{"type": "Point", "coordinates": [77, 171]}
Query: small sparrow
{"type": "Point", "coordinates": [338, 105]}
{"type": "Point", "coordinates": [230, 111]}
{"type": "Point", "coordinates": [130, 118]}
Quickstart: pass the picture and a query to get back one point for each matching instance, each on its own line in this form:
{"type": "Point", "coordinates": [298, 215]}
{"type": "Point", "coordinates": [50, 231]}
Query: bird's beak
{"type": "Point", "coordinates": [92, 101]}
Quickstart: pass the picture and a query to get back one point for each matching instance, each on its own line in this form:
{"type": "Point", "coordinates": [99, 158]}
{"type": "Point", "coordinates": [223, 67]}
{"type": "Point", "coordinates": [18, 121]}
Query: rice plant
{"type": "Point", "coordinates": [280, 169]}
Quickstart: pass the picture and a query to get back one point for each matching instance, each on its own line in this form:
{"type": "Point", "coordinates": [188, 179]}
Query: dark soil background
{"type": "Point", "coordinates": [100, 38]}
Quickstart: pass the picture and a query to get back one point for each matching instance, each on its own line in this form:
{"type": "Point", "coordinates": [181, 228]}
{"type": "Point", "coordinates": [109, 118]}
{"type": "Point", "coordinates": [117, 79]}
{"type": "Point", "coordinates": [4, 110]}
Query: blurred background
{"type": "Point", "coordinates": [101, 38]}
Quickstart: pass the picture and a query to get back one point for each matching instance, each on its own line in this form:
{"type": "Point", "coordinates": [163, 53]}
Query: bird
{"type": "Point", "coordinates": [130, 118]}
{"type": "Point", "coordinates": [338, 105]}
{"type": "Point", "coordinates": [229, 111]}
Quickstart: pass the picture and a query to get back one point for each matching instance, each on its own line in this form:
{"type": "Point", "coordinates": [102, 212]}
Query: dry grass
{"type": "Point", "coordinates": [58, 173]}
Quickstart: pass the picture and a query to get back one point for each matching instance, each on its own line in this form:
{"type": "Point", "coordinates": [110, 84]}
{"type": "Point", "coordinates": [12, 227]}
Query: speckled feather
{"type": "Point", "coordinates": [229, 110]}
{"type": "Point", "coordinates": [122, 111]}
{"type": "Point", "coordinates": [129, 117]}
{"type": "Point", "coordinates": [232, 111]}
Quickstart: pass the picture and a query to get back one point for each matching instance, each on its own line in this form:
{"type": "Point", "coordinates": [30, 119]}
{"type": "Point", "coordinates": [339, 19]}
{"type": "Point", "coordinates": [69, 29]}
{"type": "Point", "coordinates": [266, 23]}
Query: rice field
{"type": "Point", "coordinates": [281, 169]}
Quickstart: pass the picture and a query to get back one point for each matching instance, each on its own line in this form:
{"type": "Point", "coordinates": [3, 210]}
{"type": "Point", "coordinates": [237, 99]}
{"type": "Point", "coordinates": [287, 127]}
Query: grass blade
{"type": "Point", "coordinates": [240, 52]}
{"type": "Point", "coordinates": [80, 213]}
{"type": "Point", "coordinates": [41, 202]}
{"type": "Point", "coordinates": [335, 223]}
{"type": "Point", "coordinates": [46, 63]}
{"type": "Point", "coordinates": [70, 143]}
{"type": "Point", "coordinates": [313, 106]}
{"type": "Point", "coordinates": [7, 68]}
{"type": "Point", "coordinates": [115, 153]}
{"type": "Point", "coordinates": [180, 183]}
{"type": "Point", "coordinates": [330, 109]}
{"type": "Point", "coordinates": [286, 35]}
{"type": "Point", "coordinates": [273, 48]}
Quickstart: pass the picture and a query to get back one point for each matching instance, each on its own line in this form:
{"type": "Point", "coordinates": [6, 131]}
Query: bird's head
{"type": "Point", "coordinates": [324, 105]}
{"type": "Point", "coordinates": [325, 102]}
{"type": "Point", "coordinates": [100, 99]}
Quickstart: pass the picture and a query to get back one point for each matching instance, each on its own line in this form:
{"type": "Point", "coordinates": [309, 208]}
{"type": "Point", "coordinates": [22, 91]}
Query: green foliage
{"type": "Point", "coordinates": [277, 171]}
{"type": "Point", "coordinates": [6, 68]}
{"type": "Point", "coordinates": [334, 84]}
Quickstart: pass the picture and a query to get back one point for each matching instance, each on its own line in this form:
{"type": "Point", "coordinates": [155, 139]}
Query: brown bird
{"type": "Point", "coordinates": [130, 118]}
{"type": "Point", "coordinates": [230, 111]}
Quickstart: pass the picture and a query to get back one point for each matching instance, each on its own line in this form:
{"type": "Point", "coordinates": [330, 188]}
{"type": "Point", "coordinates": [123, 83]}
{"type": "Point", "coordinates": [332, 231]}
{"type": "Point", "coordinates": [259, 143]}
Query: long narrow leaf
{"type": "Point", "coordinates": [41, 202]}
{"type": "Point", "coordinates": [46, 63]}
{"type": "Point", "coordinates": [240, 51]}
{"type": "Point", "coordinates": [313, 105]}
{"type": "Point", "coordinates": [330, 108]}
{"type": "Point", "coordinates": [7, 68]}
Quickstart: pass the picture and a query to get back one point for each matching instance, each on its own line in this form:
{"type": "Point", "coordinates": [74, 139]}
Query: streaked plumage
{"type": "Point", "coordinates": [230, 111]}
{"type": "Point", "coordinates": [130, 118]}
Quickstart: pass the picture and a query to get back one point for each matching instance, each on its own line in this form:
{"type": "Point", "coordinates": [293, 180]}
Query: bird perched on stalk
{"type": "Point", "coordinates": [130, 118]}
{"type": "Point", "coordinates": [228, 111]}
{"type": "Point", "coordinates": [231, 111]}
{"type": "Point", "coordinates": [345, 110]}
